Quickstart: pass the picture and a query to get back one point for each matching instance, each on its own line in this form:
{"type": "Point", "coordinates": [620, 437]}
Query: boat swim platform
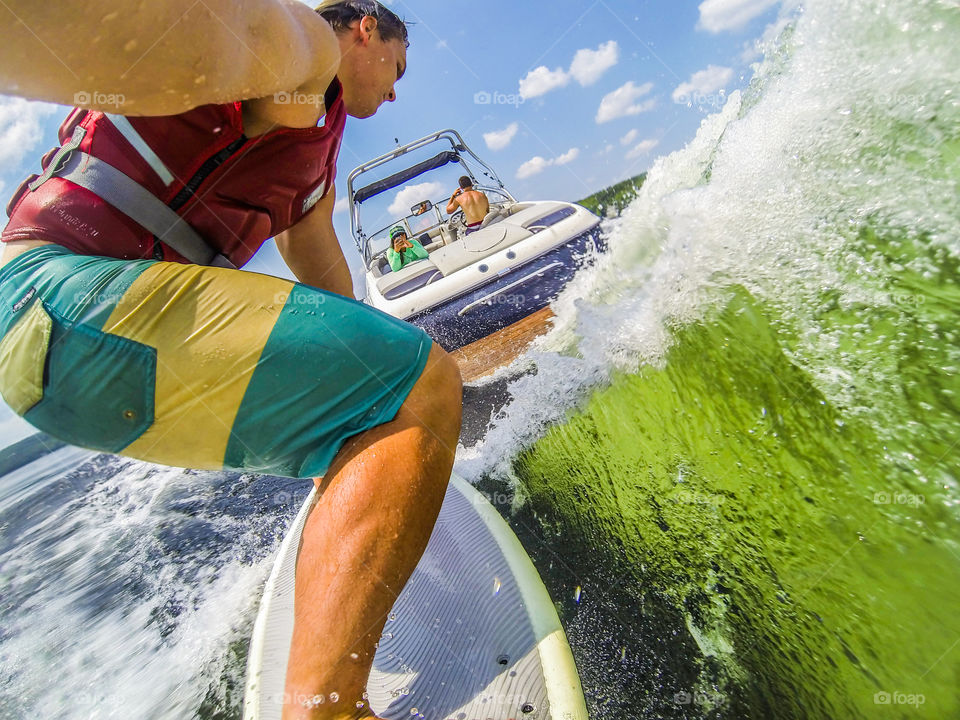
{"type": "Point", "coordinates": [484, 356]}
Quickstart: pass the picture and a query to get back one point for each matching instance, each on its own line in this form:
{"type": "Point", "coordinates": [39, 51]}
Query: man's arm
{"type": "Point", "coordinates": [312, 252]}
{"type": "Point", "coordinates": [160, 58]}
{"type": "Point", "coordinates": [453, 204]}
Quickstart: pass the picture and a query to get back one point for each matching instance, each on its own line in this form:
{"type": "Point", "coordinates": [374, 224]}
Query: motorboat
{"type": "Point", "coordinates": [475, 281]}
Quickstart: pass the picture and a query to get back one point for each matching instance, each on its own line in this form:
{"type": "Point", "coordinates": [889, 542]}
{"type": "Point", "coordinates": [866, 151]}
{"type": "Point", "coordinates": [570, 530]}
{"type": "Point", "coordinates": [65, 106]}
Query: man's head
{"type": "Point", "coordinates": [466, 183]}
{"type": "Point", "coordinates": [373, 49]}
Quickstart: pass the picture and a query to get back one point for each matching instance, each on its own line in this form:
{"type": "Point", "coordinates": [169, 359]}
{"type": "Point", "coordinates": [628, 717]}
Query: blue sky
{"type": "Point", "coordinates": [561, 98]}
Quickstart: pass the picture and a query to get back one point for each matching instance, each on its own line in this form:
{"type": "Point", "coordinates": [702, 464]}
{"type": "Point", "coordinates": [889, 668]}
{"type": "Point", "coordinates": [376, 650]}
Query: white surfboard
{"type": "Point", "coordinates": [475, 634]}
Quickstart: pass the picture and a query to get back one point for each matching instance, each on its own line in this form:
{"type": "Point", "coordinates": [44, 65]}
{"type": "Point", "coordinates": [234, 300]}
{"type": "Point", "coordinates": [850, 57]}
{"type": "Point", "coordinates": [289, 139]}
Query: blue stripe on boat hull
{"type": "Point", "coordinates": [452, 331]}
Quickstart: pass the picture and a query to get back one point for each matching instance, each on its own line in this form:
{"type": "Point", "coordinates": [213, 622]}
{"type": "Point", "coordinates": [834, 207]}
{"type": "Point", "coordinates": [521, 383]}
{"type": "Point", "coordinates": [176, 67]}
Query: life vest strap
{"type": "Point", "coordinates": [140, 145]}
{"type": "Point", "coordinates": [131, 198]}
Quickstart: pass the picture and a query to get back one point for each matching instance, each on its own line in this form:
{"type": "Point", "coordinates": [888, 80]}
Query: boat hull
{"type": "Point", "coordinates": [510, 297]}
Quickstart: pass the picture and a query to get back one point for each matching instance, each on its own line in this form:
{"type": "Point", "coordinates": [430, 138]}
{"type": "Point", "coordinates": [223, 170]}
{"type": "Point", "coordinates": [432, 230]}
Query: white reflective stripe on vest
{"type": "Point", "coordinates": [140, 145]}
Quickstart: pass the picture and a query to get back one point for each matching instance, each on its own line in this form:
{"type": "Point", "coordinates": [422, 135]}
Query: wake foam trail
{"type": "Point", "coordinates": [134, 585]}
{"type": "Point", "coordinates": [849, 127]}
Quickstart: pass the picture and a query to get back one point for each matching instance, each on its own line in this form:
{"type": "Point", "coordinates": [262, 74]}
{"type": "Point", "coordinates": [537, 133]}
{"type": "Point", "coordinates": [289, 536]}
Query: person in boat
{"type": "Point", "coordinates": [403, 251]}
{"type": "Point", "coordinates": [474, 204]}
{"type": "Point", "coordinates": [125, 326]}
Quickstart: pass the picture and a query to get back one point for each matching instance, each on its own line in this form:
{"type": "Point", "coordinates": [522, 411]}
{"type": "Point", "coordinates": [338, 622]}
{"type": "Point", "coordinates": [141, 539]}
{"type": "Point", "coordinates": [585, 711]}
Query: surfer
{"type": "Point", "coordinates": [127, 332]}
{"type": "Point", "coordinates": [473, 202]}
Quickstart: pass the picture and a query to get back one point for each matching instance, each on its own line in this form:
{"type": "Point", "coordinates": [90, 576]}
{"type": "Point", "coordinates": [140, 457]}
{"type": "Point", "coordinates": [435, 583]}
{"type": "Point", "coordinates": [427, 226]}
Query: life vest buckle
{"type": "Point", "coordinates": [60, 158]}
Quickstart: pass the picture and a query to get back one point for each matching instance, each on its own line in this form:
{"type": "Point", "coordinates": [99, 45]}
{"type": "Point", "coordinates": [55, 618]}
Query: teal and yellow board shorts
{"type": "Point", "coordinates": [194, 366]}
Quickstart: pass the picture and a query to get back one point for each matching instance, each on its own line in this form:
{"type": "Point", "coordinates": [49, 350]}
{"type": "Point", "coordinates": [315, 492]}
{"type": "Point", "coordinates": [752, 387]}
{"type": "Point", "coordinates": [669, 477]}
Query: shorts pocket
{"type": "Point", "coordinates": [98, 388]}
{"type": "Point", "coordinates": [23, 351]}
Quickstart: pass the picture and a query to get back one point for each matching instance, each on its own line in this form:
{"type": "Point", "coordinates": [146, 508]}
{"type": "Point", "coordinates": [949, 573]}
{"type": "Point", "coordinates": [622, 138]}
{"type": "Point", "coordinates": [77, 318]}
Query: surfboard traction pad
{"type": "Point", "coordinates": [473, 636]}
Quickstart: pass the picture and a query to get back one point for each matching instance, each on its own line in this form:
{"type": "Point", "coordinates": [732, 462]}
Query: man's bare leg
{"type": "Point", "coordinates": [362, 541]}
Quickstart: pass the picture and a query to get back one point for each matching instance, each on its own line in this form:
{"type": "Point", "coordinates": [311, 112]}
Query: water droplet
{"type": "Point", "coordinates": [334, 697]}
{"type": "Point", "coordinates": [359, 704]}
{"type": "Point", "coordinates": [576, 594]}
{"type": "Point", "coordinates": [393, 616]}
{"type": "Point", "coordinates": [414, 711]}
{"type": "Point", "coordinates": [404, 691]}
{"type": "Point", "coordinates": [496, 585]}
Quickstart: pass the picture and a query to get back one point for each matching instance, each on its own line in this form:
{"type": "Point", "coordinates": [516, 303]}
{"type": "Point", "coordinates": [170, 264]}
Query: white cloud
{"type": "Point", "coordinates": [569, 156]}
{"type": "Point", "coordinates": [20, 130]}
{"type": "Point", "coordinates": [589, 65]}
{"type": "Point", "coordinates": [341, 205]}
{"type": "Point", "coordinates": [629, 137]}
{"type": "Point", "coordinates": [411, 194]}
{"type": "Point", "coordinates": [642, 148]}
{"type": "Point", "coordinates": [720, 15]}
{"type": "Point", "coordinates": [542, 80]}
{"type": "Point", "coordinates": [499, 139]}
{"type": "Point", "coordinates": [586, 68]}
{"type": "Point", "coordinates": [623, 101]}
{"type": "Point", "coordinates": [533, 166]}
{"type": "Point", "coordinates": [703, 82]}
{"type": "Point", "coordinates": [537, 164]}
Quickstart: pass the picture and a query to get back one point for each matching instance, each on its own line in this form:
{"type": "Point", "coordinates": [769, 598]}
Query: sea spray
{"type": "Point", "coordinates": [748, 413]}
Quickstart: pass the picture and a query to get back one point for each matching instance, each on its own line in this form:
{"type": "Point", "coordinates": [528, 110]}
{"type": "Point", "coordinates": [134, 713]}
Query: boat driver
{"type": "Point", "coordinates": [126, 327]}
{"type": "Point", "coordinates": [474, 204]}
{"type": "Point", "coordinates": [403, 251]}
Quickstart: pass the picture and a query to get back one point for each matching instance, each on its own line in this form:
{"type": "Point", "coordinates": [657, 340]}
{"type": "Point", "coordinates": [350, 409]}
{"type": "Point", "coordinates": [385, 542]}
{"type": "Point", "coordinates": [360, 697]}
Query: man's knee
{"type": "Point", "coordinates": [439, 391]}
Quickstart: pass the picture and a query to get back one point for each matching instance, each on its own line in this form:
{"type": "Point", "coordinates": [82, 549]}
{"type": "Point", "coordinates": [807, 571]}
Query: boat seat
{"type": "Point", "coordinates": [408, 278]}
{"type": "Point", "coordinates": [495, 215]}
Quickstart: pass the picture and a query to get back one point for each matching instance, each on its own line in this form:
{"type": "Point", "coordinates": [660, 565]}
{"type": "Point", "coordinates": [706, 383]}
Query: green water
{"type": "Point", "coordinates": [750, 506]}
{"type": "Point", "coordinates": [815, 561]}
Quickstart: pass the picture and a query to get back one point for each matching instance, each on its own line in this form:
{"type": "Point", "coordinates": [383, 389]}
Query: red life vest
{"type": "Point", "coordinates": [234, 191]}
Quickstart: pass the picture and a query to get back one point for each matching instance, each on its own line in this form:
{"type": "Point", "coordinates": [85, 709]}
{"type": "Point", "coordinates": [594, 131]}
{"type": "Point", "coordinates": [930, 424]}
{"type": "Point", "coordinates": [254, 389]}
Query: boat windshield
{"type": "Point", "coordinates": [422, 223]}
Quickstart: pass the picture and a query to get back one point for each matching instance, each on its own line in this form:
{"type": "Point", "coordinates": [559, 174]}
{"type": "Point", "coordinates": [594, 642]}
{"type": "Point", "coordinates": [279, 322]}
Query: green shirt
{"type": "Point", "coordinates": [398, 259]}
